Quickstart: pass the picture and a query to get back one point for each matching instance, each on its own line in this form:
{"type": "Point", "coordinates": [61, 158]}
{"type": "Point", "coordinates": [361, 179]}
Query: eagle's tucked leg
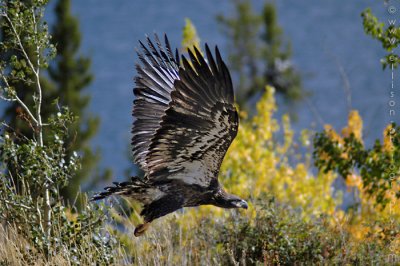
{"type": "Point", "coordinates": [157, 209]}
{"type": "Point", "coordinates": [141, 229]}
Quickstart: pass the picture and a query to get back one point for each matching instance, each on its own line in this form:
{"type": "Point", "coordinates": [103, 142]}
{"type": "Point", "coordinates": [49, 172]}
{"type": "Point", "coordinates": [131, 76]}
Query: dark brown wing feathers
{"type": "Point", "coordinates": [185, 115]}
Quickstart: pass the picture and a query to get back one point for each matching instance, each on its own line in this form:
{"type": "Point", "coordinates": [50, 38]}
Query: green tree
{"type": "Point", "coordinates": [16, 116]}
{"type": "Point", "coordinates": [279, 71]}
{"type": "Point", "coordinates": [68, 76]}
{"type": "Point", "coordinates": [33, 210]}
{"type": "Point", "coordinates": [22, 79]}
{"type": "Point", "coordinates": [258, 53]}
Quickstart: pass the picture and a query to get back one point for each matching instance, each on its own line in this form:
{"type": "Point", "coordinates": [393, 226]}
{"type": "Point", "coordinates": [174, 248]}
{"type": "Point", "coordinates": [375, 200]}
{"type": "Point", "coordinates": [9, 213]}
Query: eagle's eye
{"type": "Point", "coordinates": [239, 203]}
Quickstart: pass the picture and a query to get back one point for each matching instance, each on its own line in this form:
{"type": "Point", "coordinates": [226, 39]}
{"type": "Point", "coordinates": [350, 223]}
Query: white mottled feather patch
{"type": "Point", "coordinates": [155, 193]}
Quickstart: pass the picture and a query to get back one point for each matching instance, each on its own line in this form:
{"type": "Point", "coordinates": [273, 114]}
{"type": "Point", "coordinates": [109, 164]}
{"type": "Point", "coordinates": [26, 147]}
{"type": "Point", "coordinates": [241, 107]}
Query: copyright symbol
{"type": "Point", "coordinates": [392, 9]}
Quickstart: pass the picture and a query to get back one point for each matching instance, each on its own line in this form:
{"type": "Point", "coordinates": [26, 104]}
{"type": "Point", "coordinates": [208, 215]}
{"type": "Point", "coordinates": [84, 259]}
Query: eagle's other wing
{"type": "Point", "coordinates": [199, 125]}
{"type": "Point", "coordinates": [154, 84]}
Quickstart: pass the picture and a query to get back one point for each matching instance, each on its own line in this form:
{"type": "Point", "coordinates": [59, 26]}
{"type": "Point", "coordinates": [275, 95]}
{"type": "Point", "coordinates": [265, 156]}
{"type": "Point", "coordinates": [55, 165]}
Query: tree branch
{"type": "Point", "coordinates": [16, 98]}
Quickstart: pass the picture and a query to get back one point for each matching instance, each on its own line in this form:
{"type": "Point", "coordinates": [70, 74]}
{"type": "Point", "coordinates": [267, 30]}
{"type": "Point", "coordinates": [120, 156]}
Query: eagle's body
{"type": "Point", "coordinates": [185, 123]}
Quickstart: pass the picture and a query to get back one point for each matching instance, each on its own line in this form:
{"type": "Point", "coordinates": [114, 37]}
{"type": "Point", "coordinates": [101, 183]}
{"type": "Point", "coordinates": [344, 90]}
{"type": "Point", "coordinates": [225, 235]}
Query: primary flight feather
{"type": "Point", "coordinates": [185, 121]}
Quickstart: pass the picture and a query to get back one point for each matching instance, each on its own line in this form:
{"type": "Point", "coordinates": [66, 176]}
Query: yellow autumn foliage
{"type": "Point", "coordinates": [363, 223]}
{"type": "Point", "coordinates": [190, 37]}
{"type": "Point", "coordinates": [354, 126]}
{"type": "Point", "coordinates": [387, 141]}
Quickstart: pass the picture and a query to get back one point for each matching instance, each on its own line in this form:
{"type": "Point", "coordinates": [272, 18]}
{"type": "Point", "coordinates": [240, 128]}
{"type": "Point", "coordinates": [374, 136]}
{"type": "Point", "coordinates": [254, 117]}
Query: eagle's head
{"type": "Point", "coordinates": [225, 200]}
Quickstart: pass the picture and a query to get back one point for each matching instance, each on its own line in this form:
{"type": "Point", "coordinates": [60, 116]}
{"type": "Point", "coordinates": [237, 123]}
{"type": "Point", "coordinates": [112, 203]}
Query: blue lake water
{"type": "Point", "coordinates": [325, 35]}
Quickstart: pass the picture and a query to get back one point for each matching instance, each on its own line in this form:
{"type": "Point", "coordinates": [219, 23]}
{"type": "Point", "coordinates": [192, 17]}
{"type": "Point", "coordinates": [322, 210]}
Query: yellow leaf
{"type": "Point", "coordinates": [190, 38]}
{"type": "Point", "coordinates": [355, 125]}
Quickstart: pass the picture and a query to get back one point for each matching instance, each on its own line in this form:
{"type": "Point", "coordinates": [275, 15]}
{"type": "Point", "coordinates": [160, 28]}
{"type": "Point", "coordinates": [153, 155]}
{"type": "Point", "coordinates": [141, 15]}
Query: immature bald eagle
{"type": "Point", "coordinates": [185, 123]}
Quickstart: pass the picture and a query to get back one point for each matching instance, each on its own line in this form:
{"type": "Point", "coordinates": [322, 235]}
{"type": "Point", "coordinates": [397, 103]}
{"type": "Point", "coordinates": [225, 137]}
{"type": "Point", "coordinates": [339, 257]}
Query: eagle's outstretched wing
{"type": "Point", "coordinates": [185, 115]}
{"type": "Point", "coordinates": [154, 84]}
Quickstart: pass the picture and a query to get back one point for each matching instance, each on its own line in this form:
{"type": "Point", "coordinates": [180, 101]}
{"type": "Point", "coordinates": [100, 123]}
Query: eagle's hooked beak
{"type": "Point", "coordinates": [242, 204]}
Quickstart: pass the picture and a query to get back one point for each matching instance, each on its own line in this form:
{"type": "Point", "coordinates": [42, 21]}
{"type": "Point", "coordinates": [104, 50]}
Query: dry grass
{"type": "Point", "coordinates": [165, 243]}
{"type": "Point", "coordinates": [168, 242]}
{"type": "Point", "coordinates": [16, 250]}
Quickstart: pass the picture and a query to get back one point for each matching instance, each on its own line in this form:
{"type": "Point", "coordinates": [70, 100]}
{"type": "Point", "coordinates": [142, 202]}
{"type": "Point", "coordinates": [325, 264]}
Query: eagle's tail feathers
{"type": "Point", "coordinates": [129, 188]}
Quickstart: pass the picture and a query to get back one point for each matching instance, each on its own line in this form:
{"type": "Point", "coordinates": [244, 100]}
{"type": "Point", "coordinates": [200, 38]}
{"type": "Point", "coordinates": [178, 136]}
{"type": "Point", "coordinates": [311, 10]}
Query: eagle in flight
{"type": "Point", "coordinates": [185, 121]}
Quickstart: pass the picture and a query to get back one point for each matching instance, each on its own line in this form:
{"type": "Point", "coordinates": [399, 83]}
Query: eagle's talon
{"type": "Point", "coordinates": [141, 229]}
